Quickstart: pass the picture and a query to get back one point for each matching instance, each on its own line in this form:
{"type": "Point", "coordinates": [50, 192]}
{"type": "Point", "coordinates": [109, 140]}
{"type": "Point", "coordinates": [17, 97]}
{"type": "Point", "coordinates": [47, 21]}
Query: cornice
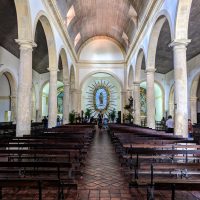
{"type": "Point", "coordinates": [101, 62]}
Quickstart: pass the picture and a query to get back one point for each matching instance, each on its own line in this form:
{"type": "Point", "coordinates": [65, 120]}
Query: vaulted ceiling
{"type": "Point", "coordinates": [117, 19]}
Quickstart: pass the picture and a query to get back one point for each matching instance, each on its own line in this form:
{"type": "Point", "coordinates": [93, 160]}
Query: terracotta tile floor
{"type": "Point", "coordinates": [103, 178]}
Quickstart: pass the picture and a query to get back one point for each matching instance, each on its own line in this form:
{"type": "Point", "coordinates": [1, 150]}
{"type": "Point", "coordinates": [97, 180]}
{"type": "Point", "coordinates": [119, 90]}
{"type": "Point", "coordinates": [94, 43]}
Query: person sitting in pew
{"type": "Point", "coordinates": [170, 125]}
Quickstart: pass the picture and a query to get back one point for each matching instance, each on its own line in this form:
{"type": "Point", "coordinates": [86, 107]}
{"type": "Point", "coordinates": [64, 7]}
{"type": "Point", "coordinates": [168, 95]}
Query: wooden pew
{"type": "Point", "coordinates": [146, 147]}
{"type": "Point", "coordinates": [31, 174]}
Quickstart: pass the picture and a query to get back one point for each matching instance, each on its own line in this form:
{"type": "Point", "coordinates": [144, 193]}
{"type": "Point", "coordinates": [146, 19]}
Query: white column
{"type": "Point", "coordinates": [150, 98]}
{"type": "Point", "coordinates": [180, 89]}
{"type": "Point", "coordinates": [193, 109]}
{"type": "Point", "coordinates": [52, 106]}
{"type": "Point", "coordinates": [73, 99]}
{"type": "Point", "coordinates": [24, 94]}
{"type": "Point", "coordinates": [171, 109]}
{"type": "Point", "coordinates": [78, 97]}
{"type": "Point", "coordinates": [13, 108]}
{"type": "Point", "coordinates": [66, 102]}
{"type": "Point", "coordinates": [137, 119]}
{"type": "Point", "coordinates": [123, 102]}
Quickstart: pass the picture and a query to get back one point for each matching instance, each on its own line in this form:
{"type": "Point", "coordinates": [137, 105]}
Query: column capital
{"type": "Point", "coordinates": [66, 83]}
{"type": "Point", "coordinates": [150, 70]}
{"type": "Point", "coordinates": [123, 92]}
{"type": "Point", "coordinates": [179, 43]}
{"type": "Point", "coordinates": [53, 69]}
{"type": "Point", "coordinates": [136, 83]}
{"type": "Point", "coordinates": [194, 99]}
{"type": "Point", "coordinates": [26, 44]}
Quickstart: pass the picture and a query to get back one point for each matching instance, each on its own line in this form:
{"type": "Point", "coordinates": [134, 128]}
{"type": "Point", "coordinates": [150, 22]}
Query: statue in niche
{"type": "Point", "coordinates": [101, 98]}
{"type": "Point", "coordinates": [130, 102]}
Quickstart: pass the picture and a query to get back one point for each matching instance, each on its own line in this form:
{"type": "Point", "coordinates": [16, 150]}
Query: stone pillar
{"type": "Point", "coordinates": [180, 89]}
{"type": "Point", "coordinates": [13, 108]}
{"type": "Point", "coordinates": [78, 97]}
{"type": "Point", "coordinates": [24, 93]}
{"type": "Point", "coordinates": [66, 102]}
{"type": "Point", "coordinates": [123, 102]}
{"type": "Point", "coordinates": [150, 98]}
{"type": "Point", "coordinates": [52, 106]}
{"type": "Point", "coordinates": [193, 109]}
{"type": "Point", "coordinates": [171, 109]}
{"type": "Point", "coordinates": [136, 104]}
{"type": "Point", "coordinates": [74, 100]}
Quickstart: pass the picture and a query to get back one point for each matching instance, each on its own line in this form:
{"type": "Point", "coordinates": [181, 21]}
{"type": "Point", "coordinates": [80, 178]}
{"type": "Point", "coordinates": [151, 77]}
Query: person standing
{"type": "Point", "coordinates": [190, 128]}
{"type": "Point", "coordinates": [170, 125]}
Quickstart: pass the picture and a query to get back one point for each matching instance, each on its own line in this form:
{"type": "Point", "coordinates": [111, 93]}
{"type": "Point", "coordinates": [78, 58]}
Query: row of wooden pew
{"type": "Point", "coordinates": [45, 159]}
{"type": "Point", "coordinates": [157, 160]}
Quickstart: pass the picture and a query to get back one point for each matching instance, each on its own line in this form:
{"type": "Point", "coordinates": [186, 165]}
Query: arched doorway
{"type": "Point", "coordinates": [7, 98]}
{"type": "Point", "coordinates": [45, 99]}
{"type": "Point", "coordinates": [159, 102]}
{"type": "Point", "coordinates": [101, 92]}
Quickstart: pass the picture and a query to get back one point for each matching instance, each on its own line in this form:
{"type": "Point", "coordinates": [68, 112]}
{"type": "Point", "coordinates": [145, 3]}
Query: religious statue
{"type": "Point", "coordinates": [101, 98]}
{"type": "Point", "coordinates": [130, 101]}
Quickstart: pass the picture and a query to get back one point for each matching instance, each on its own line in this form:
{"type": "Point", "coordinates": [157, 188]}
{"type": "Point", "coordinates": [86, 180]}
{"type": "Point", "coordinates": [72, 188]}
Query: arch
{"type": "Point", "coordinates": [138, 66]}
{"type": "Point", "coordinates": [100, 71]}
{"type": "Point", "coordinates": [153, 40]}
{"type": "Point", "coordinates": [64, 59]}
{"type": "Point", "coordinates": [194, 98]}
{"type": "Point", "coordinates": [41, 93]}
{"type": "Point", "coordinates": [130, 76]}
{"type": "Point", "coordinates": [24, 20]}
{"type": "Point", "coordinates": [101, 49]}
{"type": "Point", "coordinates": [11, 79]}
{"type": "Point", "coordinates": [194, 85]}
{"type": "Point", "coordinates": [41, 16]}
{"type": "Point", "coordinates": [101, 86]}
{"type": "Point", "coordinates": [159, 103]}
{"type": "Point", "coordinates": [13, 92]}
{"type": "Point", "coordinates": [182, 19]}
{"type": "Point", "coordinates": [101, 37]}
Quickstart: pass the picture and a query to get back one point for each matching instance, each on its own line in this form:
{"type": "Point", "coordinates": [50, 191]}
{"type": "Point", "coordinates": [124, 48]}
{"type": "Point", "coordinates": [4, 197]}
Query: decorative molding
{"type": "Point", "coordinates": [180, 42]}
{"type": "Point", "coordinates": [100, 37]}
{"type": "Point", "coordinates": [27, 44]}
{"type": "Point", "coordinates": [5, 97]}
{"type": "Point", "coordinates": [155, 4]}
{"type": "Point", "coordinates": [101, 62]}
{"type": "Point", "coordinates": [150, 70]}
{"type": "Point", "coordinates": [52, 69]}
{"type": "Point", "coordinates": [51, 5]}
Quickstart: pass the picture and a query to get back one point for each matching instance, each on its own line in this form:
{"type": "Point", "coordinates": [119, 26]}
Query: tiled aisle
{"type": "Point", "coordinates": [103, 178]}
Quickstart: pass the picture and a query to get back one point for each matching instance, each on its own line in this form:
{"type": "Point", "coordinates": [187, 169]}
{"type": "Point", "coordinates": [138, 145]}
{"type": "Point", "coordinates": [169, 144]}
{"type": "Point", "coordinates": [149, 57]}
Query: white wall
{"type": "Point", "coordinates": [101, 50]}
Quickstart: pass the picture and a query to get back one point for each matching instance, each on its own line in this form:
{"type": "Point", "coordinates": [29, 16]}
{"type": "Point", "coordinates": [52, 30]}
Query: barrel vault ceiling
{"type": "Point", "coordinates": [117, 19]}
